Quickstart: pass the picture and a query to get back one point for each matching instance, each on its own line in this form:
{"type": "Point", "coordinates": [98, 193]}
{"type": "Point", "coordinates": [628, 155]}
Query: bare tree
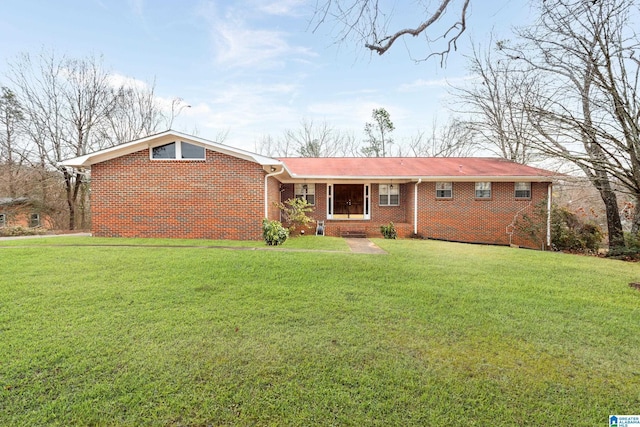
{"type": "Point", "coordinates": [309, 140]}
{"type": "Point", "coordinates": [585, 56]}
{"type": "Point", "coordinates": [65, 101]}
{"type": "Point", "coordinates": [493, 102]}
{"type": "Point", "coordinates": [268, 146]}
{"type": "Point", "coordinates": [11, 121]}
{"type": "Point", "coordinates": [369, 22]}
{"type": "Point", "coordinates": [455, 139]}
{"type": "Point", "coordinates": [136, 114]}
{"type": "Point", "coordinates": [315, 140]}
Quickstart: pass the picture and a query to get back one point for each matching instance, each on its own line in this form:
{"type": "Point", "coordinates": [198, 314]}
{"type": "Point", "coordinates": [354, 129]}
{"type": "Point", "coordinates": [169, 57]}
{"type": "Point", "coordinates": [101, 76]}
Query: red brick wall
{"type": "Point", "coordinates": [467, 219]}
{"type": "Point", "coordinates": [385, 214]}
{"type": "Point", "coordinates": [462, 218]}
{"type": "Point", "coordinates": [273, 191]}
{"type": "Point", "coordinates": [219, 198]}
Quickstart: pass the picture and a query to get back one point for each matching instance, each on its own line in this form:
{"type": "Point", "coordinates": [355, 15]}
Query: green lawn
{"type": "Point", "coordinates": [432, 334]}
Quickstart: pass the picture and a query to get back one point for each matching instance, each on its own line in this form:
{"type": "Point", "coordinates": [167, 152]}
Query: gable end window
{"type": "Point", "coordinates": [306, 192]}
{"type": "Point", "coordinates": [389, 194]}
{"type": "Point", "coordinates": [178, 150]}
{"type": "Point", "coordinates": [444, 190]}
{"type": "Point", "coordinates": [523, 190]}
{"type": "Point", "coordinates": [483, 190]}
{"type": "Point", "coordinates": [3, 220]}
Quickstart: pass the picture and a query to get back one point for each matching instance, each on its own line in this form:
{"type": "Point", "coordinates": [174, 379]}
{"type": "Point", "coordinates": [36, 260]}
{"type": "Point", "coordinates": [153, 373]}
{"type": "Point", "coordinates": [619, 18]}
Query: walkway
{"type": "Point", "coordinates": [364, 246]}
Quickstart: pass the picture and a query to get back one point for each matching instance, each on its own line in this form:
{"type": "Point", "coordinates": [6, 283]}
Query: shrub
{"type": "Point", "coordinates": [631, 250]}
{"type": "Point", "coordinates": [18, 230]}
{"type": "Point", "coordinates": [294, 212]}
{"type": "Point", "coordinates": [389, 231]}
{"type": "Point", "coordinates": [568, 232]}
{"type": "Point", "coordinates": [273, 232]}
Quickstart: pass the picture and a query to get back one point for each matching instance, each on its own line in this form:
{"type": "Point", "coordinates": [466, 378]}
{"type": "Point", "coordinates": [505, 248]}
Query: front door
{"type": "Point", "coordinates": [349, 201]}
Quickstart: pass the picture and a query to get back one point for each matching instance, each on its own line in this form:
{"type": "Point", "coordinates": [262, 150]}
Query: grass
{"type": "Point", "coordinates": [433, 333]}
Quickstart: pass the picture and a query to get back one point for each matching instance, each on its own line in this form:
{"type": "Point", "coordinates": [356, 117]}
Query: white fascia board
{"type": "Point", "coordinates": [519, 178]}
{"type": "Point", "coordinates": [163, 138]}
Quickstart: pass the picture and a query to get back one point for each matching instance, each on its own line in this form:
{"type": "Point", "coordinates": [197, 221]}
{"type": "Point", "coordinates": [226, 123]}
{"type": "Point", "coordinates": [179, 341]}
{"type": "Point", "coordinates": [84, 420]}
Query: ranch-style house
{"type": "Point", "coordinates": [180, 186]}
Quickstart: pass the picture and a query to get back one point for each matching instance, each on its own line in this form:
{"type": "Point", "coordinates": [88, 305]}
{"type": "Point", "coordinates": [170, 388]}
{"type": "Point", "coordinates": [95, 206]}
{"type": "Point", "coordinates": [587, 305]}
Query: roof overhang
{"type": "Point", "coordinates": [164, 138]}
{"type": "Point", "coordinates": [292, 178]}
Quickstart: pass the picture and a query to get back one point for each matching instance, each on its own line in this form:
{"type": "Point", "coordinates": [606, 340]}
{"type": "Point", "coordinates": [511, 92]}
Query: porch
{"type": "Point", "coordinates": [354, 228]}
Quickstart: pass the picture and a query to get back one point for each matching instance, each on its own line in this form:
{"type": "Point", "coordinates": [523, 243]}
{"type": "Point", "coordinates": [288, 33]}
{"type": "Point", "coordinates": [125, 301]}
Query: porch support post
{"type": "Point", "coordinates": [415, 207]}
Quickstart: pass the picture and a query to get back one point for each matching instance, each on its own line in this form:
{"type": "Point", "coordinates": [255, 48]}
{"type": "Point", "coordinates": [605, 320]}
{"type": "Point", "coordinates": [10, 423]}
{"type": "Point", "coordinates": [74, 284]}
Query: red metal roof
{"type": "Point", "coordinates": [409, 167]}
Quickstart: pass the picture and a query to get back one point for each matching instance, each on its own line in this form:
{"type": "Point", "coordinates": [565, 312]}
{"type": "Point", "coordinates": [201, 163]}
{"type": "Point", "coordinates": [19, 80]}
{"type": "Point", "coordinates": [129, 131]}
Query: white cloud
{"type": "Point", "coordinates": [427, 84]}
{"type": "Point", "coordinates": [248, 111]}
{"type": "Point", "coordinates": [283, 7]}
{"type": "Point", "coordinates": [236, 44]}
{"type": "Point", "coordinates": [118, 80]}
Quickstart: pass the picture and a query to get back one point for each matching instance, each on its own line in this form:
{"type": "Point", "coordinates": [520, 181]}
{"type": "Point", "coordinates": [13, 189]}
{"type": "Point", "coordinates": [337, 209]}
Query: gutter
{"type": "Point", "coordinates": [266, 191]}
{"type": "Point", "coordinates": [415, 207]}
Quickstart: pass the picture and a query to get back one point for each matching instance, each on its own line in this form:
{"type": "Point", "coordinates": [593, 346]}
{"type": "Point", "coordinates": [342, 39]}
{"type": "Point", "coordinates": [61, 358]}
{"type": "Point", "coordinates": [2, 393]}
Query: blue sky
{"type": "Point", "coordinates": [250, 67]}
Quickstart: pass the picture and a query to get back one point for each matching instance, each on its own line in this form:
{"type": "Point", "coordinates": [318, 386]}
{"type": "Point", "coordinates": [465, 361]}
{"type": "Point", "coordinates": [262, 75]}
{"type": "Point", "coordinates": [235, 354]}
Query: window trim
{"type": "Point", "coordinates": [483, 189]}
{"type": "Point", "coordinates": [528, 190]}
{"type": "Point", "coordinates": [395, 188]}
{"type": "Point", "coordinates": [450, 189]}
{"type": "Point", "coordinates": [304, 193]}
{"type": "Point", "coordinates": [178, 151]}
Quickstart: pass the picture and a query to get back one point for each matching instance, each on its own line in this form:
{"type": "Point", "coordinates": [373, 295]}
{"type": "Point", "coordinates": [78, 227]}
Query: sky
{"type": "Point", "coordinates": [251, 68]}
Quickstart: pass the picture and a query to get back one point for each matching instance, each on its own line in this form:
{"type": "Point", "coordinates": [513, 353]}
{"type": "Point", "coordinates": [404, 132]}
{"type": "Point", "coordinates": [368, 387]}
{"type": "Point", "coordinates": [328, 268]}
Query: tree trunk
{"type": "Point", "coordinates": [614, 222]}
{"type": "Point", "coordinates": [68, 186]}
{"type": "Point", "coordinates": [635, 224]}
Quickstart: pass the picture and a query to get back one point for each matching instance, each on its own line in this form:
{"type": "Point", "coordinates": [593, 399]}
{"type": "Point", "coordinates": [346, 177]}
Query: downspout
{"type": "Point", "coordinates": [266, 190]}
{"type": "Point", "coordinates": [415, 207]}
{"type": "Point", "coordinates": [549, 193]}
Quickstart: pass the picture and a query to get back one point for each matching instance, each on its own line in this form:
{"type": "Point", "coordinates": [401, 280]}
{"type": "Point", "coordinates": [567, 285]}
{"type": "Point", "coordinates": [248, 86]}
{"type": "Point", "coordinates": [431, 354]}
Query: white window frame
{"type": "Point", "coordinates": [444, 186]}
{"type": "Point", "coordinates": [527, 189]}
{"type": "Point", "coordinates": [178, 156]}
{"type": "Point", "coordinates": [481, 187]}
{"type": "Point", "coordinates": [367, 202]}
{"type": "Point", "coordinates": [304, 190]}
{"type": "Point", "coordinates": [385, 191]}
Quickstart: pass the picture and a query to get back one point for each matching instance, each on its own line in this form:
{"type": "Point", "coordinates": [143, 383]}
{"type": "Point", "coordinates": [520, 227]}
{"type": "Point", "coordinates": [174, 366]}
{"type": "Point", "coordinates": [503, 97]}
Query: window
{"type": "Point", "coordinates": [3, 220]}
{"type": "Point", "coordinates": [34, 220]}
{"type": "Point", "coordinates": [483, 190]}
{"type": "Point", "coordinates": [178, 150]}
{"type": "Point", "coordinates": [444, 190]}
{"type": "Point", "coordinates": [190, 151]}
{"type": "Point", "coordinates": [523, 190]}
{"type": "Point", "coordinates": [306, 192]}
{"type": "Point", "coordinates": [389, 194]}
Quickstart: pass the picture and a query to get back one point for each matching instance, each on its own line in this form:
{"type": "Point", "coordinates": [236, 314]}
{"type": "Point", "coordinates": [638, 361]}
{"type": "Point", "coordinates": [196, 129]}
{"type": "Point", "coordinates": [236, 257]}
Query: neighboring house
{"type": "Point", "coordinates": [181, 186]}
{"type": "Point", "coordinates": [20, 211]}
